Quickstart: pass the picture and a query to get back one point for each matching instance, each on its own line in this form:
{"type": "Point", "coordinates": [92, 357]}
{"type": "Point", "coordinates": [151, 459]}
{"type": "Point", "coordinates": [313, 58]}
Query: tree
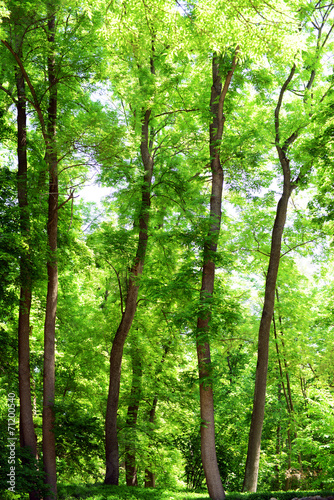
{"type": "Point", "coordinates": [218, 95]}
{"type": "Point", "coordinates": [283, 146]}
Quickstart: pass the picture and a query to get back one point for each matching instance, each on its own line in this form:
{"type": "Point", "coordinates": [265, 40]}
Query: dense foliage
{"type": "Point", "coordinates": [118, 68]}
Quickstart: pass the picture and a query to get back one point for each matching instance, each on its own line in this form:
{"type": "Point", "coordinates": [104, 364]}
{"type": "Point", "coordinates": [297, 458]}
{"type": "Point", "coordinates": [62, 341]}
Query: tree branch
{"type": "Point", "coordinates": [279, 103]}
{"type": "Point", "coordinates": [35, 102]}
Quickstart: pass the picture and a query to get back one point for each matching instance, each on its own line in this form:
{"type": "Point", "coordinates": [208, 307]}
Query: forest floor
{"type": "Point", "coordinates": [102, 492]}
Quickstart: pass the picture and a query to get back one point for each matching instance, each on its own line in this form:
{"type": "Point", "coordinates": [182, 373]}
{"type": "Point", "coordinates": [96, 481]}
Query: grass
{"type": "Point", "coordinates": [103, 492]}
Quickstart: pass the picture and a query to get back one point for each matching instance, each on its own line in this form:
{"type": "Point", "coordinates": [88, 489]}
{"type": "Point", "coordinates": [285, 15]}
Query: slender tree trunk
{"type": "Point", "coordinates": [208, 450]}
{"type": "Point", "coordinates": [149, 475]}
{"type": "Point", "coordinates": [288, 392]}
{"type": "Point", "coordinates": [278, 443]}
{"type": "Point", "coordinates": [254, 441]}
{"type": "Point", "coordinates": [27, 431]}
{"type": "Point", "coordinates": [111, 443]}
{"type": "Point", "coordinates": [49, 447]}
{"type": "Point", "coordinates": [131, 420]}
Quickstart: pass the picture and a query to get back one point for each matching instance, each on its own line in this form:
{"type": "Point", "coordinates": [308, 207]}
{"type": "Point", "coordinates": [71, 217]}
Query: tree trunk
{"type": "Point", "coordinates": [111, 443]}
{"type": "Point", "coordinates": [208, 450]}
{"type": "Point", "coordinates": [254, 440]}
{"type": "Point", "coordinates": [49, 448]}
{"type": "Point", "coordinates": [149, 475]}
{"type": "Point", "coordinates": [27, 431]}
{"type": "Point", "coordinates": [131, 420]}
{"type": "Point", "coordinates": [287, 393]}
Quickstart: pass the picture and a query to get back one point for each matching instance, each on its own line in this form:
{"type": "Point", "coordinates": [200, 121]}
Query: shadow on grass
{"type": "Point", "coordinates": [103, 492]}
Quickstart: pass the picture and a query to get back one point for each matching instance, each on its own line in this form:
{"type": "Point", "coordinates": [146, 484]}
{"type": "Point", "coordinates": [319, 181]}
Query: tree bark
{"type": "Point", "coordinates": [208, 450]}
{"type": "Point", "coordinates": [27, 431]}
{"type": "Point", "coordinates": [149, 475]}
{"type": "Point", "coordinates": [131, 420]}
{"type": "Point", "coordinates": [254, 440]}
{"type": "Point", "coordinates": [49, 447]}
{"type": "Point", "coordinates": [111, 440]}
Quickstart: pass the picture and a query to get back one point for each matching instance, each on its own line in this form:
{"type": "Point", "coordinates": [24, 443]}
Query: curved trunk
{"type": "Point", "coordinates": [49, 447]}
{"type": "Point", "coordinates": [111, 440]}
{"type": "Point", "coordinates": [254, 442]}
{"type": "Point", "coordinates": [208, 450]}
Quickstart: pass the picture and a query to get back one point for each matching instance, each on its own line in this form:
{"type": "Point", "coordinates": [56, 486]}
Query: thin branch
{"type": "Point", "coordinates": [296, 246]}
{"type": "Point", "coordinates": [224, 92]}
{"type": "Point", "coordinates": [177, 111]}
{"type": "Point", "coordinates": [68, 199]}
{"type": "Point", "coordinates": [8, 92]}
{"type": "Point", "coordinates": [35, 102]}
{"type": "Point", "coordinates": [119, 284]}
{"type": "Point", "coordinates": [279, 103]}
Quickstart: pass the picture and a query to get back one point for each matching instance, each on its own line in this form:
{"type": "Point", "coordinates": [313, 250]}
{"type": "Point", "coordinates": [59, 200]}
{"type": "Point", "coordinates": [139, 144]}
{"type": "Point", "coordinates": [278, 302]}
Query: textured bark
{"type": "Point", "coordinates": [254, 441]}
{"type": "Point", "coordinates": [27, 431]}
{"type": "Point", "coordinates": [208, 450]}
{"type": "Point", "coordinates": [131, 420]}
{"type": "Point", "coordinates": [49, 447]}
{"type": "Point", "coordinates": [111, 443]}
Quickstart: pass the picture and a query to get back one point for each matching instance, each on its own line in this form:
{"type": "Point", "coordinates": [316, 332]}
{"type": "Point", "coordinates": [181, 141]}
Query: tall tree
{"type": "Point", "coordinates": [49, 446]}
{"type": "Point", "coordinates": [285, 137]}
{"type": "Point", "coordinates": [17, 26]}
{"type": "Point", "coordinates": [209, 459]}
{"type": "Point", "coordinates": [112, 461]}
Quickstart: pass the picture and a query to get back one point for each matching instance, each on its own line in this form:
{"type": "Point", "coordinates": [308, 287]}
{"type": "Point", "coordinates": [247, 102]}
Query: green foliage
{"type": "Point", "coordinates": [79, 447]}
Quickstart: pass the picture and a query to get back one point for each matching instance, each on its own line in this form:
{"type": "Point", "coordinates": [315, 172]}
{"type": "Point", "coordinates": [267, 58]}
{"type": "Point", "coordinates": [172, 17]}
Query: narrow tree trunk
{"type": "Point", "coordinates": [254, 441]}
{"type": "Point", "coordinates": [208, 450]}
{"type": "Point", "coordinates": [278, 442]}
{"type": "Point", "coordinates": [27, 431]}
{"type": "Point", "coordinates": [49, 447]}
{"type": "Point", "coordinates": [111, 443]}
{"type": "Point", "coordinates": [288, 393]}
{"type": "Point", "coordinates": [131, 420]}
{"type": "Point", "coordinates": [149, 475]}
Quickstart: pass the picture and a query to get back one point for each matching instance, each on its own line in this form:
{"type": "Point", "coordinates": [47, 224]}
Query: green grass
{"type": "Point", "coordinates": [102, 492]}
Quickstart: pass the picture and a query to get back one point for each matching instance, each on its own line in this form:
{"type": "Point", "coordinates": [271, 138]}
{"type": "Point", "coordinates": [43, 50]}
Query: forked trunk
{"type": "Point", "coordinates": [254, 440]}
{"type": "Point", "coordinates": [208, 449]}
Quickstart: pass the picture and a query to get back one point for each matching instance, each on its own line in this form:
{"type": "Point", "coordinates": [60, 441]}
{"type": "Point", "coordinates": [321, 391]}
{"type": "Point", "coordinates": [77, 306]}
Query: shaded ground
{"type": "Point", "coordinates": [102, 492]}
